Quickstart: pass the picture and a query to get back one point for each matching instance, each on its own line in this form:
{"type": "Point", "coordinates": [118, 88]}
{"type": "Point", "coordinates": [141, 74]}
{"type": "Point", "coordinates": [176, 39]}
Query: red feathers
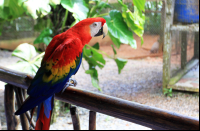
{"type": "Point", "coordinates": [43, 123]}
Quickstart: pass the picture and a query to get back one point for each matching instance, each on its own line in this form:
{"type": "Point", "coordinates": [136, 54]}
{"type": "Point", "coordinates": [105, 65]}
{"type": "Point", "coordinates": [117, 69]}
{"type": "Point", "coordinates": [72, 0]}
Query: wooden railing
{"type": "Point", "coordinates": [130, 111]}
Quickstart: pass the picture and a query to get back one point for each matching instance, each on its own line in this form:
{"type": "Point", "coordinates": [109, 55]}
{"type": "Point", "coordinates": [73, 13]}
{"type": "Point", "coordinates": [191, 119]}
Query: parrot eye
{"type": "Point", "coordinates": [95, 28]}
{"type": "Point", "coordinates": [95, 24]}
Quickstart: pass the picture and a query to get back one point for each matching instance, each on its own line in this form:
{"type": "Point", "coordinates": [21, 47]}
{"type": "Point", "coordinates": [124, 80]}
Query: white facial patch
{"type": "Point", "coordinates": [94, 28]}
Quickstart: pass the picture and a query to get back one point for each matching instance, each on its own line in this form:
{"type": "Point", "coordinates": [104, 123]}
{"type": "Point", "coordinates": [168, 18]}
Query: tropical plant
{"type": "Point", "coordinates": [55, 16]}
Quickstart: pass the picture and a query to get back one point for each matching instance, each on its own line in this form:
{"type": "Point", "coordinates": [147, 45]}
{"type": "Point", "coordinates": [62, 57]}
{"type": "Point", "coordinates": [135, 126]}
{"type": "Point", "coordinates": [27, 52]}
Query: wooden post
{"type": "Point", "coordinates": [161, 40]}
{"type": "Point", "coordinates": [75, 118]}
{"type": "Point", "coordinates": [196, 45]}
{"type": "Point", "coordinates": [9, 103]}
{"type": "Point", "coordinates": [169, 10]}
{"type": "Point", "coordinates": [183, 49]}
{"type": "Point", "coordinates": [23, 118]}
{"type": "Point", "coordinates": [0, 123]}
{"type": "Point", "coordinates": [92, 120]}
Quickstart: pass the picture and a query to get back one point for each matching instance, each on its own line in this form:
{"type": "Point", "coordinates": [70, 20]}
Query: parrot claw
{"type": "Point", "coordinates": [71, 82]}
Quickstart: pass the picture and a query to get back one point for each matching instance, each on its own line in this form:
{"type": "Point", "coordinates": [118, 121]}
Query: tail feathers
{"type": "Point", "coordinates": [43, 123]}
{"type": "Point", "coordinates": [44, 114]}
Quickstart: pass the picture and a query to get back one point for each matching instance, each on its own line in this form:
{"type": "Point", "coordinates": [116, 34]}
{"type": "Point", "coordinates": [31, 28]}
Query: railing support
{"type": "Point", "coordinates": [9, 103]}
{"type": "Point", "coordinates": [130, 111]}
{"type": "Point", "coordinates": [92, 120]}
{"type": "Point", "coordinates": [75, 118]}
{"type": "Point", "coordinates": [23, 118]}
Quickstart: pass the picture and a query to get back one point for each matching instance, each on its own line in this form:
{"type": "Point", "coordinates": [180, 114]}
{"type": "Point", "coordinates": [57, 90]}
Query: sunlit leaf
{"type": "Point", "coordinates": [25, 67]}
{"type": "Point", "coordinates": [54, 2]}
{"type": "Point", "coordinates": [34, 6]}
{"type": "Point", "coordinates": [140, 4]}
{"type": "Point", "coordinates": [1, 3]}
{"type": "Point", "coordinates": [21, 2]}
{"type": "Point", "coordinates": [78, 7]}
{"type": "Point", "coordinates": [25, 51]}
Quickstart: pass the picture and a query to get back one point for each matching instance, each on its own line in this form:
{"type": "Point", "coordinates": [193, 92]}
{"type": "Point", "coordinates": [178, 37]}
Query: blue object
{"type": "Point", "coordinates": [187, 11]}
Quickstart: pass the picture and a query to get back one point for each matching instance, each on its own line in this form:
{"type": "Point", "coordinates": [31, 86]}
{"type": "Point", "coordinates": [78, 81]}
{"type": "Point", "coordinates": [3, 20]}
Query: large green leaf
{"type": "Point", "coordinates": [116, 41]}
{"type": "Point", "coordinates": [78, 7]}
{"type": "Point", "coordinates": [25, 51]}
{"type": "Point", "coordinates": [118, 28]}
{"type": "Point", "coordinates": [140, 4]}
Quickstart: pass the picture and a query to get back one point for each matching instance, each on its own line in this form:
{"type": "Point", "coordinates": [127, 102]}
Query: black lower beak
{"type": "Point", "coordinates": [100, 32]}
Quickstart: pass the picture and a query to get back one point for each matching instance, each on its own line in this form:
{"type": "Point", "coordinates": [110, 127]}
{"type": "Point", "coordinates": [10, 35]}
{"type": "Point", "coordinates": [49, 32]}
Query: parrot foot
{"type": "Point", "coordinates": [71, 82]}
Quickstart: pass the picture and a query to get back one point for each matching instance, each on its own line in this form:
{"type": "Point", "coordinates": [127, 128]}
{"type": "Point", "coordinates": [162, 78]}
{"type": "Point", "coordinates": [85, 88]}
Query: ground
{"type": "Point", "coordinates": [140, 81]}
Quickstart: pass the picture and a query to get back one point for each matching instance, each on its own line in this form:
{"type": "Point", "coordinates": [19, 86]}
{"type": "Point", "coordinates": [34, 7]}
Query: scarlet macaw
{"type": "Point", "coordinates": [62, 59]}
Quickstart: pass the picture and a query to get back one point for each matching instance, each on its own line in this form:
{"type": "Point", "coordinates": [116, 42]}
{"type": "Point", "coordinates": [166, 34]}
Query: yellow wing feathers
{"type": "Point", "coordinates": [56, 73]}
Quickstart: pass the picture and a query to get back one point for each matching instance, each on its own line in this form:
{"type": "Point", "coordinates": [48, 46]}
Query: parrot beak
{"type": "Point", "coordinates": [105, 30]}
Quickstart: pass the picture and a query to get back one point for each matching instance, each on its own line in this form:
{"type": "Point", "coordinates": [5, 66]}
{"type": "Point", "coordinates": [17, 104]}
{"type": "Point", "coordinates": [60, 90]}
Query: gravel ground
{"type": "Point", "coordinates": [140, 81]}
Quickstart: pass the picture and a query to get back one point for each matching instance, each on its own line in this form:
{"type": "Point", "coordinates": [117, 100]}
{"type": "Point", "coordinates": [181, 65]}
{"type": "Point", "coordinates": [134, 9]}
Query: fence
{"type": "Point", "coordinates": [133, 112]}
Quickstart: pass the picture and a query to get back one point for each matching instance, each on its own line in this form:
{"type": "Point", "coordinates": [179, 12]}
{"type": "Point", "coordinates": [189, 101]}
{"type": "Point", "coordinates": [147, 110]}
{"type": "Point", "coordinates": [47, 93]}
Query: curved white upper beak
{"type": "Point", "coordinates": [105, 30]}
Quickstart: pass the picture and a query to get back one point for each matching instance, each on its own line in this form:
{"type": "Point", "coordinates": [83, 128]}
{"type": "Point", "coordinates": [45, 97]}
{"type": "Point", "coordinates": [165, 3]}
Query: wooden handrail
{"type": "Point", "coordinates": [130, 111]}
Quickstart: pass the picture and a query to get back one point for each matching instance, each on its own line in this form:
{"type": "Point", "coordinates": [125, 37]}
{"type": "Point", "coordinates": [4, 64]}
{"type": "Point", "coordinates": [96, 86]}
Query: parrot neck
{"type": "Point", "coordinates": [83, 34]}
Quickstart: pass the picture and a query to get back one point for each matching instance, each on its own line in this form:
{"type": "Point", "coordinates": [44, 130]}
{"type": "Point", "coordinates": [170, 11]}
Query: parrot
{"type": "Point", "coordinates": [62, 59]}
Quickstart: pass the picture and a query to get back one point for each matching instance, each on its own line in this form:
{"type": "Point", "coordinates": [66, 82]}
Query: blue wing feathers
{"type": "Point", "coordinates": [45, 91]}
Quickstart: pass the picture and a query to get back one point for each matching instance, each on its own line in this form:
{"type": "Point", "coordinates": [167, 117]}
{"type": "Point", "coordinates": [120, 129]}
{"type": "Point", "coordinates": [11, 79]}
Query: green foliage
{"type": "Point", "coordinates": [10, 10]}
{"type": "Point", "coordinates": [118, 28]}
{"type": "Point", "coordinates": [140, 4]}
{"type": "Point", "coordinates": [53, 20]}
{"type": "Point", "coordinates": [168, 92]}
{"type": "Point", "coordinates": [44, 37]}
{"type": "Point", "coordinates": [136, 20]}
{"type": "Point", "coordinates": [94, 59]}
{"type": "Point", "coordinates": [29, 63]}
{"type": "Point", "coordinates": [79, 8]}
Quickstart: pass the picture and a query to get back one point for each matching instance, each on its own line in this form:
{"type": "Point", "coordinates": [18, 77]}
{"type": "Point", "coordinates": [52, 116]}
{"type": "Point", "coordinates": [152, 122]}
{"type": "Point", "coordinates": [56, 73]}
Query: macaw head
{"type": "Point", "coordinates": [91, 27]}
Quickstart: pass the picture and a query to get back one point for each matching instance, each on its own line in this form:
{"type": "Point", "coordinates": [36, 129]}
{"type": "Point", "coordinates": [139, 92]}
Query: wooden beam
{"type": "Point", "coordinates": [9, 104]}
{"type": "Point", "coordinates": [75, 118]}
{"type": "Point", "coordinates": [23, 118]}
{"type": "Point", "coordinates": [189, 28]}
{"type": "Point", "coordinates": [169, 9]}
{"type": "Point", "coordinates": [92, 120]}
{"type": "Point", "coordinates": [181, 73]}
{"type": "Point", "coordinates": [126, 110]}
{"type": "Point", "coordinates": [183, 49]}
{"type": "Point", "coordinates": [196, 46]}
